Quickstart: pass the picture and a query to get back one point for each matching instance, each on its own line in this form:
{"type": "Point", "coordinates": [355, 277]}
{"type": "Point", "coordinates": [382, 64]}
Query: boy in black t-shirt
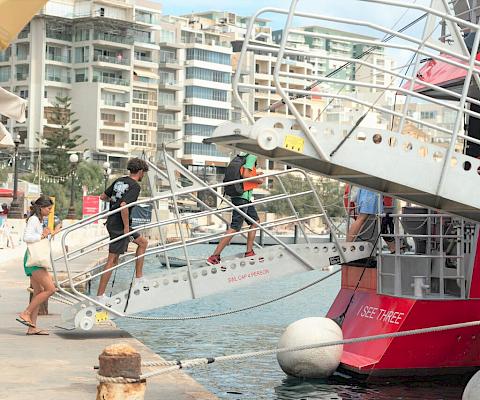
{"type": "Point", "coordinates": [121, 192]}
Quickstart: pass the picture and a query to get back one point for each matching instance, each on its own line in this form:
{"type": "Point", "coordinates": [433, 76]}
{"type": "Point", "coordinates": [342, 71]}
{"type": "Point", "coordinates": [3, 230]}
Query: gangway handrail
{"type": "Point", "coordinates": [186, 218]}
{"type": "Point", "coordinates": [166, 247]}
{"type": "Point", "coordinates": [180, 245]}
{"type": "Point", "coordinates": [183, 243]}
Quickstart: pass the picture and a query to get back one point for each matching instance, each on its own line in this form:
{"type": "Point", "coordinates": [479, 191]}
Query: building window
{"type": "Point", "coordinates": [140, 97]}
{"type": "Point", "coordinates": [208, 75]}
{"type": "Point", "coordinates": [202, 149]}
{"type": "Point", "coordinates": [208, 56]}
{"type": "Point", "coordinates": [108, 139]}
{"type": "Point", "coordinates": [139, 137]}
{"type": "Point", "coordinates": [23, 50]}
{"type": "Point", "coordinates": [81, 54]}
{"type": "Point", "coordinates": [139, 116]}
{"type": "Point", "coordinates": [82, 34]}
{"type": "Point", "coordinates": [81, 75]}
{"type": "Point", "coordinates": [22, 72]}
{"type": "Point", "coordinates": [5, 74]}
{"type": "Point", "coordinates": [167, 56]}
{"type": "Point", "coordinates": [107, 117]}
{"type": "Point", "coordinates": [23, 93]}
{"type": "Point", "coordinates": [167, 36]}
{"type": "Point", "coordinates": [428, 114]}
{"type": "Point", "coordinates": [206, 93]}
{"type": "Point", "coordinates": [199, 129]}
{"type": "Point", "coordinates": [142, 36]}
{"type": "Point", "coordinates": [57, 74]}
{"type": "Point", "coordinates": [207, 112]}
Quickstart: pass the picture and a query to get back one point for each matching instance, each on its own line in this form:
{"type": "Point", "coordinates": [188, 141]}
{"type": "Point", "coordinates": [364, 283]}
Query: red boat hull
{"type": "Point", "coordinates": [369, 313]}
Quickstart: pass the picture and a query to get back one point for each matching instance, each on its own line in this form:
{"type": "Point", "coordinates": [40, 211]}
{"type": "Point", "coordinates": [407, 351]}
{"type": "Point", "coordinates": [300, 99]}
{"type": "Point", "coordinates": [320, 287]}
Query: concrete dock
{"type": "Point", "coordinates": [60, 366]}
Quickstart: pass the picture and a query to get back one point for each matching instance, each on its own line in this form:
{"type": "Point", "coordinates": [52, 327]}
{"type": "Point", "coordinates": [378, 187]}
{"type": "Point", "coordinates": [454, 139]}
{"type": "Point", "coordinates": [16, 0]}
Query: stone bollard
{"type": "Point", "coordinates": [120, 360]}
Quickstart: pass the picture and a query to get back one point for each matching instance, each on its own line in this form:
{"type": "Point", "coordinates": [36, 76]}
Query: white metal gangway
{"type": "Point", "coordinates": [197, 278]}
{"type": "Point", "coordinates": [432, 170]}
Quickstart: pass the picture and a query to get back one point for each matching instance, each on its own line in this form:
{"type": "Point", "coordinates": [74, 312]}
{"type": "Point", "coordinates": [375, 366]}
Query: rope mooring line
{"type": "Point", "coordinates": [170, 366]}
{"type": "Point", "coordinates": [223, 313]}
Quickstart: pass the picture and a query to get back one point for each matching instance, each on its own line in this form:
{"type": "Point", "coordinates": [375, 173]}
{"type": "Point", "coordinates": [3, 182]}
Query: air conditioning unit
{"type": "Point", "coordinates": [186, 117]}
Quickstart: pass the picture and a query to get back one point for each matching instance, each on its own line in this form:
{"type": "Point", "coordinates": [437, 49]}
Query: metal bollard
{"type": "Point", "coordinates": [120, 361]}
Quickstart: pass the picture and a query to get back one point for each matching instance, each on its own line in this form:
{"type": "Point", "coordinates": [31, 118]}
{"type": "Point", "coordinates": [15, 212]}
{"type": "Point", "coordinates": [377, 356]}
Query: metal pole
{"type": "Point", "coordinates": [71, 209]}
{"type": "Point", "coordinates": [15, 211]}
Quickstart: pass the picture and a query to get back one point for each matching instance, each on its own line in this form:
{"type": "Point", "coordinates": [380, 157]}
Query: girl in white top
{"type": "Point", "coordinates": [40, 279]}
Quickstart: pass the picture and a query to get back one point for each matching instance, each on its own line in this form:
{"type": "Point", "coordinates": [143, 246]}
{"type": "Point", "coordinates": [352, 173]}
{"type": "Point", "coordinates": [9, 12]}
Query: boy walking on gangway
{"type": "Point", "coordinates": [242, 166]}
{"type": "Point", "coordinates": [123, 191]}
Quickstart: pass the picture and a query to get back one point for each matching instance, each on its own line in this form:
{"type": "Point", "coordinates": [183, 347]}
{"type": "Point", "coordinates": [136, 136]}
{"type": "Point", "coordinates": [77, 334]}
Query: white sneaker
{"type": "Point", "coordinates": [142, 282]}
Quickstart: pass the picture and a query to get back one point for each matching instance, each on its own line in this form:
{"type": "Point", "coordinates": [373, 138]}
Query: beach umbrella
{"type": "Point", "coordinates": [14, 15]}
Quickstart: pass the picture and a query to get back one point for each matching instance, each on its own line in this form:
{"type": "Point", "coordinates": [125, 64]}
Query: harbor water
{"type": "Point", "coordinates": [258, 329]}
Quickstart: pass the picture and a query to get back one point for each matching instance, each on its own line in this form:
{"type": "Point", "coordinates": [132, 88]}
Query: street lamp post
{"type": "Point", "coordinates": [71, 210]}
{"type": "Point", "coordinates": [106, 173]}
{"type": "Point", "coordinates": [15, 208]}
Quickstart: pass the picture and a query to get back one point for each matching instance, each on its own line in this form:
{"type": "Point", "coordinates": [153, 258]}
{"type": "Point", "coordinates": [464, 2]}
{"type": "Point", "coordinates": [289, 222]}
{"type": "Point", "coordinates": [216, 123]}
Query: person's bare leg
{"type": "Point", "coordinates": [224, 242]}
{"type": "Point", "coordinates": [251, 238]}
{"type": "Point", "coordinates": [43, 278]}
{"type": "Point", "coordinates": [112, 260]}
{"type": "Point", "coordinates": [355, 227]}
{"type": "Point", "coordinates": [142, 244]}
{"type": "Point", "coordinates": [36, 290]}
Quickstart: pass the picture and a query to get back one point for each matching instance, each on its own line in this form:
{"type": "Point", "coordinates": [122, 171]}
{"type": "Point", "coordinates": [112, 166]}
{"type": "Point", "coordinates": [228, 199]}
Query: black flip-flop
{"type": "Point", "coordinates": [39, 333]}
{"type": "Point", "coordinates": [25, 322]}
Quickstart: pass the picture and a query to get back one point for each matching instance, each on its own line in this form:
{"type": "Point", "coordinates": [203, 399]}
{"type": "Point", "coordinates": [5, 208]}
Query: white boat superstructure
{"type": "Point", "coordinates": [440, 176]}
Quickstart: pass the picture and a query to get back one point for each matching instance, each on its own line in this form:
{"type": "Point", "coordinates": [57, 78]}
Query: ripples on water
{"type": "Point", "coordinates": [258, 329]}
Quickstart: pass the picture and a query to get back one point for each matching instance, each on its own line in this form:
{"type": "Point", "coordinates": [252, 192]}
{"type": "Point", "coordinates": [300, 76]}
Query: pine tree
{"type": "Point", "coordinates": [59, 141]}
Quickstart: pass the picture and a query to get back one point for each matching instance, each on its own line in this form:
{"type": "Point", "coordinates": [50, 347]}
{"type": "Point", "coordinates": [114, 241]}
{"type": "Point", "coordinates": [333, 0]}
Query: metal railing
{"type": "Point", "coordinates": [184, 243]}
{"type": "Point", "coordinates": [422, 48]}
{"type": "Point", "coordinates": [433, 249]}
{"type": "Point", "coordinates": [111, 59]}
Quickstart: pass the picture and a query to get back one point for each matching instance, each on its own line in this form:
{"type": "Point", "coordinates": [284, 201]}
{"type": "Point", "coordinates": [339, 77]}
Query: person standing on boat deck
{"type": "Point", "coordinates": [121, 192]}
{"type": "Point", "coordinates": [367, 205]}
{"type": "Point", "coordinates": [247, 170]}
{"type": "Point", "coordinates": [40, 279]}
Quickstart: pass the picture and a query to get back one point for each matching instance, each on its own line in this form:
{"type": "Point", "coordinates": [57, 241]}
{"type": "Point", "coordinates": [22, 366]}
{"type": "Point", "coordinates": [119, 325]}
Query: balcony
{"type": "Point", "coordinates": [169, 140]}
{"type": "Point", "coordinates": [170, 63]}
{"type": "Point", "coordinates": [169, 85]}
{"type": "Point", "coordinates": [169, 106]}
{"type": "Point", "coordinates": [114, 146]}
{"type": "Point", "coordinates": [169, 124]}
{"type": "Point", "coordinates": [107, 37]}
{"type": "Point", "coordinates": [111, 60]}
{"type": "Point", "coordinates": [59, 35]}
{"type": "Point", "coordinates": [111, 81]}
{"type": "Point", "coordinates": [60, 79]}
{"type": "Point", "coordinates": [143, 58]}
{"type": "Point", "coordinates": [123, 105]}
{"type": "Point", "coordinates": [115, 125]}
{"type": "Point", "coordinates": [144, 81]}
{"type": "Point", "coordinates": [53, 57]}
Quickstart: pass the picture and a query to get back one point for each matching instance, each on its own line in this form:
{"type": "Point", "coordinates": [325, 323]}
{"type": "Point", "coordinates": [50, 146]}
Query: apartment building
{"type": "Point", "coordinates": [207, 95]}
{"type": "Point", "coordinates": [103, 55]}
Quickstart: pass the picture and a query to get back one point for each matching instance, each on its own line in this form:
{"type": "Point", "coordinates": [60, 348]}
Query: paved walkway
{"type": "Point", "coordinates": [60, 366]}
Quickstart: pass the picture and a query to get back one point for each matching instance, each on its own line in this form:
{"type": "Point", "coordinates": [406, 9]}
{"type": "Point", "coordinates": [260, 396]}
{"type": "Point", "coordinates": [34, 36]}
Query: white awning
{"type": "Point", "coordinates": [6, 139]}
{"type": "Point", "coordinates": [12, 106]}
